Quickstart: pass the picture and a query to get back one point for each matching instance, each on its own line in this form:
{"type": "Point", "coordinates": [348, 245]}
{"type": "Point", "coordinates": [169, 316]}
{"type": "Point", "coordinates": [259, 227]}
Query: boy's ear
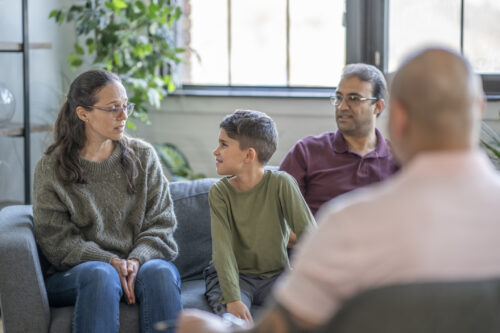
{"type": "Point", "coordinates": [251, 155]}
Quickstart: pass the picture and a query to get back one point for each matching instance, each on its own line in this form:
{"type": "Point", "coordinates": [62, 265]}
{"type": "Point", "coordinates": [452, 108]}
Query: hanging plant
{"type": "Point", "coordinates": [133, 39]}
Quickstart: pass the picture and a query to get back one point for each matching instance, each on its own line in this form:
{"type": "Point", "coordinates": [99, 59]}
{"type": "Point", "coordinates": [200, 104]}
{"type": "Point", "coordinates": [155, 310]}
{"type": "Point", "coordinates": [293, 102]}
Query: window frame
{"type": "Point", "coordinates": [366, 23]}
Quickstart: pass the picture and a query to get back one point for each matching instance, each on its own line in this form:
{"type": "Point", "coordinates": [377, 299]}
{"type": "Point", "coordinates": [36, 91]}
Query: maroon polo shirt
{"type": "Point", "coordinates": [325, 167]}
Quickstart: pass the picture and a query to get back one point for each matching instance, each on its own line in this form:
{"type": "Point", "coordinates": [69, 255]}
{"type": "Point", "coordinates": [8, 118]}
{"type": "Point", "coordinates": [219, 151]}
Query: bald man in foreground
{"type": "Point", "coordinates": [437, 220]}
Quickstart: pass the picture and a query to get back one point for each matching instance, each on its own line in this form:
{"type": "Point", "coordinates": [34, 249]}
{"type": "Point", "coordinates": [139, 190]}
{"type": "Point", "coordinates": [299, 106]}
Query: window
{"type": "Point", "coordinates": [413, 24]}
{"type": "Point", "coordinates": [481, 30]}
{"type": "Point", "coordinates": [469, 26]}
{"type": "Point", "coordinates": [286, 43]}
{"type": "Point", "coordinates": [299, 43]}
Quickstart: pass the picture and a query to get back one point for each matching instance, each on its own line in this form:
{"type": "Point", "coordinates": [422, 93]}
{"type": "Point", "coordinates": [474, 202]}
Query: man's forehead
{"type": "Point", "coordinates": [353, 85]}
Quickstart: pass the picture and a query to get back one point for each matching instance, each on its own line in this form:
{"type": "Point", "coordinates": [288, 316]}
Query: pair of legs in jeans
{"type": "Point", "coordinates": [253, 289]}
{"type": "Point", "coordinates": [95, 290]}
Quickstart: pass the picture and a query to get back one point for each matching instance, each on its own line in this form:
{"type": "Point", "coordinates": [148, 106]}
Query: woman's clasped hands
{"type": "Point", "coordinates": [127, 270]}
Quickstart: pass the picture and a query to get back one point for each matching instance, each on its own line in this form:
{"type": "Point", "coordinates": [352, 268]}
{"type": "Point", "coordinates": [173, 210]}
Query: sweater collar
{"type": "Point", "coordinates": [112, 163]}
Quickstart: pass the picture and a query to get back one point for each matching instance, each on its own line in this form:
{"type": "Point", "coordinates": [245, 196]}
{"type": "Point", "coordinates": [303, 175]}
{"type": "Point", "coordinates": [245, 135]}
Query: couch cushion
{"type": "Point", "coordinates": [61, 319]}
{"type": "Point", "coordinates": [193, 234]}
{"type": "Point", "coordinates": [193, 295]}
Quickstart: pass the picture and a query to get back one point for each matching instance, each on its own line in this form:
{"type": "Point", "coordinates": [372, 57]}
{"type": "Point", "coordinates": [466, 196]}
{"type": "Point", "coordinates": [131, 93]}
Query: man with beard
{"type": "Point", "coordinates": [356, 155]}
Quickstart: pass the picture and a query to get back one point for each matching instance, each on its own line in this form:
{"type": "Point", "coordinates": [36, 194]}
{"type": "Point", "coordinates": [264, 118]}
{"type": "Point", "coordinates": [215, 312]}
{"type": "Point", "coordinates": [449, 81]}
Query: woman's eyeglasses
{"type": "Point", "coordinates": [128, 109]}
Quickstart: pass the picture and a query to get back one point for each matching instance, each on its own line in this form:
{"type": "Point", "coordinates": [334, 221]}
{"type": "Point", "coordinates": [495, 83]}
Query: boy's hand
{"type": "Point", "coordinates": [292, 240]}
{"type": "Point", "coordinates": [240, 310]}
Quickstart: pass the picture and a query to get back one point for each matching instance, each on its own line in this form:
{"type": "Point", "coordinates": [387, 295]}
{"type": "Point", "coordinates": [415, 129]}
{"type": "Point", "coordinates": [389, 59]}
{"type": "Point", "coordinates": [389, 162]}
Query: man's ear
{"type": "Point", "coordinates": [398, 122]}
{"type": "Point", "coordinates": [82, 113]}
{"type": "Point", "coordinates": [379, 106]}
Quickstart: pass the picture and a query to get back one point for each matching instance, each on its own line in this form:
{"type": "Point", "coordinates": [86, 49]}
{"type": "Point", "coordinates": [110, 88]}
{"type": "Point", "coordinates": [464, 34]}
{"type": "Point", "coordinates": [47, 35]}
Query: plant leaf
{"type": "Point", "coordinates": [90, 45]}
{"type": "Point", "coordinates": [131, 125]}
{"type": "Point", "coordinates": [79, 50]}
{"type": "Point", "coordinates": [154, 97]}
{"type": "Point", "coordinates": [74, 60]}
{"type": "Point", "coordinates": [53, 13]}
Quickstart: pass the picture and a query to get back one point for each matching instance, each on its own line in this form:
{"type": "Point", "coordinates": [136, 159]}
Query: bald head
{"type": "Point", "coordinates": [442, 99]}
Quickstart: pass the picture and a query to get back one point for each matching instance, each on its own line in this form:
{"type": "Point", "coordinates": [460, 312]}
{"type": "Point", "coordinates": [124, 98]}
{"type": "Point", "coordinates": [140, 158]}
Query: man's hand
{"type": "Point", "coordinates": [197, 321]}
{"type": "Point", "coordinates": [240, 310]}
{"type": "Point", "coordinates": [276, 319]}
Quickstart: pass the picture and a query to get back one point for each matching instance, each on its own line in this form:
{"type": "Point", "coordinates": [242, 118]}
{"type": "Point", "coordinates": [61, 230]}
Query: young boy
{"type": "Point", "coordinates": [252, 213]}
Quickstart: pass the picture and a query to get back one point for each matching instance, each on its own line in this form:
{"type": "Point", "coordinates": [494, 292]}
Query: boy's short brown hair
{"type": "Point", "coordinates": [252, 129]}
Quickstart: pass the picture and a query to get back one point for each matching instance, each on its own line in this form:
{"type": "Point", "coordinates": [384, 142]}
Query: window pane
{"type": "Point", "coordinates": [414, 24]}
{"type": "Point", "coordinates": [11, 21]}
{"type": "Point", "coordinates": [207, 35]}
{"type": "Point", "coordinates": [481, 34]}
{"type": "Point", "coordinates": [258, 50]}
{"type": "Point", "coordinates": [317, 42]}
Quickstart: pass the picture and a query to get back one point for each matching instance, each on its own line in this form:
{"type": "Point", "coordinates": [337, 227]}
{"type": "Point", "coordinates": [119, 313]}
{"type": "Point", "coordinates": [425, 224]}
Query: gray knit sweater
{"type": "Point", "coordinates": [97, 221]}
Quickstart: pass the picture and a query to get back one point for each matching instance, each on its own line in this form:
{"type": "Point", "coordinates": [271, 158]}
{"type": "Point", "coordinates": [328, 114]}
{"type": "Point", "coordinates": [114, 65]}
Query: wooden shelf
{"type": "Point", "coordinates": [18, 47]}
{"type": "Point", "coordinates": [17, 129]}
{"type": "Point", "coordinates": [4, 204]}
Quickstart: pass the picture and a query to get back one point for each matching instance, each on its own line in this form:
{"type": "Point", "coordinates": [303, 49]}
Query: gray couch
{"type": "Point", "coordinates": [428, 307]}
{"type": "Point", "coordinates": [23, 297]}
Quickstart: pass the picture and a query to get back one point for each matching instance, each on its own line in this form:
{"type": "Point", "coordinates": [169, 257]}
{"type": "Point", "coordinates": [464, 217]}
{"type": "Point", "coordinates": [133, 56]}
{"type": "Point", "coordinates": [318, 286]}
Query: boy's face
{"type": "Point", "coordinates": [229, 158]}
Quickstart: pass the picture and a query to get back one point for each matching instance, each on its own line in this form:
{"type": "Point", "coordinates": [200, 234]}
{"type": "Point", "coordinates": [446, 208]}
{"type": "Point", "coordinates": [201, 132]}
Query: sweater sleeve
{"type": "Point", "coordinates": [295, 164]}
{"type": "Point", "coordinates": [296, 212]}
{"type": "Point", "coordinates": [156, 237]}
{"type": "Point", "coordinates": [222, 249]}
{"type": "Point", "coordinates": [59, 238]}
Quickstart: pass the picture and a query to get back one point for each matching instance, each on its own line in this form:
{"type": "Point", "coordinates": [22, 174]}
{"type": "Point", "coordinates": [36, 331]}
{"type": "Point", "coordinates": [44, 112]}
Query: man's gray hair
{"type": "Point", "coordinates": [368, 73]}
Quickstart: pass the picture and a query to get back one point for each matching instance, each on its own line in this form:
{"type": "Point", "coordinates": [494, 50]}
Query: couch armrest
{"type": "Point", "coordinates": [23, 297]}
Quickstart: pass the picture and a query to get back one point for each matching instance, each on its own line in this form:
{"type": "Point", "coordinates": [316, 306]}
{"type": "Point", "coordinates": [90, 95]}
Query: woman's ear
{"type": "Point", "coordinates": [82, 113]}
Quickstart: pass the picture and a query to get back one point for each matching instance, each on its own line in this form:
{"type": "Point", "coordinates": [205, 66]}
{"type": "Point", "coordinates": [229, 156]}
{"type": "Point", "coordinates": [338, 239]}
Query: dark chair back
{"type": "Point", "coordinates": [454, 307]}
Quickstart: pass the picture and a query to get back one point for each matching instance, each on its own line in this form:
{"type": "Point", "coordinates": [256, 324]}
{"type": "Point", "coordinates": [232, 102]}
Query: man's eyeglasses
{"type": "Point", "coordinates": [128, 109]}
{"type": "Point", "coordinates": [351, 100]}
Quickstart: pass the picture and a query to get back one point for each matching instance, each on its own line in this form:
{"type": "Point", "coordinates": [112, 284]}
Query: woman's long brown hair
{"type": "Point", "coordinates": [69, 133]}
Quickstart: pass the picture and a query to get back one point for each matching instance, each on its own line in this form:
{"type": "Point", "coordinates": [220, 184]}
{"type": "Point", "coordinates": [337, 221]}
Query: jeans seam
{"type": "Point", "coordinates": [147, 314]}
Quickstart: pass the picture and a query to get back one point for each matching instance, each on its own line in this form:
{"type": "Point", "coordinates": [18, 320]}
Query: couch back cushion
{"type": "Point", "coordinates": [193, 234]}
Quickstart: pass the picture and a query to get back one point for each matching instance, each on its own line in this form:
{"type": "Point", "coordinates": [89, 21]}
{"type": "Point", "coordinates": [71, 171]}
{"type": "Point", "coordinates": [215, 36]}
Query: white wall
{"type": "Point", "coordinates": [49, 78]}
{"type": "Point", "coordinates": [192, 123]}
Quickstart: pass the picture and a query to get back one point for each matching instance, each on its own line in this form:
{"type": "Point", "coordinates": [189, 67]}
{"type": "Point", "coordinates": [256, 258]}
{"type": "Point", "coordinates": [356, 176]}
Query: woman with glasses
{"type": "Point", "coordinates": [103, 215]}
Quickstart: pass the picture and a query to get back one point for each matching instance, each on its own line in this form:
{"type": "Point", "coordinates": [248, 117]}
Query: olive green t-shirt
{"type": "Point", "coordinates": [250, 229]}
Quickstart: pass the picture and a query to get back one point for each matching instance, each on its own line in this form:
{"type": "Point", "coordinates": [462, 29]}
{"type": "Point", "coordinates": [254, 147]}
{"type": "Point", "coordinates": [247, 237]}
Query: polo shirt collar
{"type": "Point", "coordinates": [381, 150]}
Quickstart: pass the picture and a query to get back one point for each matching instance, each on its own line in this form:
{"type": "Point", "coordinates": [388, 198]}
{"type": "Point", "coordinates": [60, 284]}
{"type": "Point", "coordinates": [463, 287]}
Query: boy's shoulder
{"type": "Point", "coordinates": [273, 178]}
{"type": "Point", "coordinates": [281, 176]}
{"type": "Point", "coordinates": [220, 186]}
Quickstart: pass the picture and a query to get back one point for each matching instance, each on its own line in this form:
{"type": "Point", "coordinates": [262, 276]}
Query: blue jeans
{"type": "Point", "coordinates": [95, 290]}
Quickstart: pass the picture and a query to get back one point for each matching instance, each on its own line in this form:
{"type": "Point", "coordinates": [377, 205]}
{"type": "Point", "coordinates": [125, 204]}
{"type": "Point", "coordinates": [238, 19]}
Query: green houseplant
{"type": "Point", "coordinates": [176, 162]}
{"type": "Point", "coordinates": [490, 141]}
{"type": "Point", "coordinates": [131, 38]}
